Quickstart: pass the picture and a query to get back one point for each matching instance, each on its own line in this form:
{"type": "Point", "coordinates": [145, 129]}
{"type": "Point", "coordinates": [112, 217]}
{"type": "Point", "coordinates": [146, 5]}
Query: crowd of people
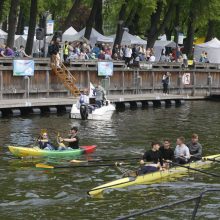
{"type": "Point", "coordinates": [6, 51]}
{"type": "Point", "coordinates": [131, 54]}
{"type": "Point", "coordinates": [104, 51]}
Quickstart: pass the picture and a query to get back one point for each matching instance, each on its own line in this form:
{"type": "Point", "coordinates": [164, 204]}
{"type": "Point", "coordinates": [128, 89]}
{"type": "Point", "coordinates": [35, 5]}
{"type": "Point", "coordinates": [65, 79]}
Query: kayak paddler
{"type": "Point", "coordinates": [181, 152]}
{"type": "Point", "coordinates": [167, 152]}
{"type": "Point", "coordinates": [195, 148]}
{"type": "Point", "coordinates": [154, 158]}
{"type": "Point", "coordinates": [72, 140]}
{"type": "Point", "coordinates": [44, 142]}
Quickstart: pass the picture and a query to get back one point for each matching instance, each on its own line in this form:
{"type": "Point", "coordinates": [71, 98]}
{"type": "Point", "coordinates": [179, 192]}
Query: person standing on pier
{"type": "Point", "coordinates": [166, 82]}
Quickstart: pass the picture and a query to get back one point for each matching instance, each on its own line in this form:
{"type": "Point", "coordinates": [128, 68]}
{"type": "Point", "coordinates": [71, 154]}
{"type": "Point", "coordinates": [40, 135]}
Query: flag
{"type": "Point", "coordinates": [91, 89]}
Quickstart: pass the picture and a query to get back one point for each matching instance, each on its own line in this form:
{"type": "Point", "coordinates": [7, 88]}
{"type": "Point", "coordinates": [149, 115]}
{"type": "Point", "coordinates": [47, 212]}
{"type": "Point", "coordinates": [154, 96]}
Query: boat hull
{"type": "Point", "coordinates": [37, 152]}
{"type": "Point", "coordinates": [150, 177]}
{"type": "Point", "coordinates": [103, 113]}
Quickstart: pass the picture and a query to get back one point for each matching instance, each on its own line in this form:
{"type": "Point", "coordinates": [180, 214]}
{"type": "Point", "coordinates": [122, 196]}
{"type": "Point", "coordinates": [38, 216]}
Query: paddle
{"type": "Point", "coordinates": [213, 160]}
{"type": "Point", "coordinates": [45, 166]}
{"type": "Point", "coordinates": [99, 160]}
{"type": "Point", "coordinates": [191, 168]}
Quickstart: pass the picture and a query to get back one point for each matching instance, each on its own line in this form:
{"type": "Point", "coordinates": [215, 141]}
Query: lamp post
{"type": "Point", "coordinates": [177, 29]}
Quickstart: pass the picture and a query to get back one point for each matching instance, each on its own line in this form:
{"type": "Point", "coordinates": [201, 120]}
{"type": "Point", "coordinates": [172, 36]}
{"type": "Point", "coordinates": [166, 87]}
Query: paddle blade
{"type": "Point", "coordinates": [78, 161]}
{"type": "Point", "coordinates": [44, 166]}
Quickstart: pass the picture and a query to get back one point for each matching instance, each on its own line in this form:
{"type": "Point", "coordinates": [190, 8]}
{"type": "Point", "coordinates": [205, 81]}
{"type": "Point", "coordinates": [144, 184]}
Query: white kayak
{"type": "Point", "coordinates": [85, 112]}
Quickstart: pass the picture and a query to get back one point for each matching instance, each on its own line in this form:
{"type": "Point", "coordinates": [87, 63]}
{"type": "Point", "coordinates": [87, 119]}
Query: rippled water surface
{"type": "Point", "coordinates": [30, 193]}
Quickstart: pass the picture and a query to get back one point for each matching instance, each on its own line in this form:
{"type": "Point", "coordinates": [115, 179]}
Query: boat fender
{"type": "Point", "coordinates": [84, 111]}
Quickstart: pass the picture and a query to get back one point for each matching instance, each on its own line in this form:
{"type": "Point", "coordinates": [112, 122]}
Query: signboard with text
{"type": "Point", "coordinates": [186, 79]}
{"type": "Point", "coordinates": [23, 67]}
{"type": "Point", "coordinates": [105, 68]}
{"type": "Point", "coordinates": [50, 27]}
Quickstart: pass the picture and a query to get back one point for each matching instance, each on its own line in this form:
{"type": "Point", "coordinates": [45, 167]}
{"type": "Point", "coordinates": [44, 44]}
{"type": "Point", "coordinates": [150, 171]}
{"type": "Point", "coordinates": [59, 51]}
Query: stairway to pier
{"type": "Point", "coordinates": [65, 77]}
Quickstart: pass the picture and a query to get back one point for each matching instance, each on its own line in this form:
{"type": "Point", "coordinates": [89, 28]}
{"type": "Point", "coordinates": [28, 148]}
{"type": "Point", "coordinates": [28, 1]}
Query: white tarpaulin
{"type": "Point", "coordinates": [161, 45]}
{"type": "Point", "coordinates": [129, 39]}
{"type": "Point", "coordinates": [68, 34]}
{"type": "Point", "coordinates": [94, 37]}
{"type": "Point", "coordinates": [211, 47]}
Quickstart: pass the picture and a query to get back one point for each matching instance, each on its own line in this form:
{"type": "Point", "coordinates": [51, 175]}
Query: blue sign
{"type": "Point", "coordinates": [23, 67]}
{"type": "Point", "coordinates": [105, 68]}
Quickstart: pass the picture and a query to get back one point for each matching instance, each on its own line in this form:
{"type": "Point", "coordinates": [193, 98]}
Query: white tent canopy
{"type": "Point", "coordinates": [68, 34]}
{"type": "Point", "coordinates": [211, 47]}
{"type": "Point", "coordinates": [20, 40]}
{"type": "Point", "coordinates": [3, 36]}
{"type": "Point", "coordinates": [129, 39]}
{"type": "Point", "coordinates": [161, 45]}
{"type": "Point", "coordinates": [94, 37]}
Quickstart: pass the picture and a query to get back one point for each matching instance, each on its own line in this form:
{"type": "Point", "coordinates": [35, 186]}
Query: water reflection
{"type": "Point", "coordinates": [51, 194]}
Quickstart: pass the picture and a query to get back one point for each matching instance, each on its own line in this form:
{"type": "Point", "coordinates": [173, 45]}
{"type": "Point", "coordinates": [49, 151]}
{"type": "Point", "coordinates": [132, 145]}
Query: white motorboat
{"type": "Point", "coordinates": [92, 112]}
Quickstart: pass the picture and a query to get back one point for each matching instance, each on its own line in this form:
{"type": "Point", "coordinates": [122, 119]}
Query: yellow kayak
{"type": "Point", "coordinates": [151, 177]}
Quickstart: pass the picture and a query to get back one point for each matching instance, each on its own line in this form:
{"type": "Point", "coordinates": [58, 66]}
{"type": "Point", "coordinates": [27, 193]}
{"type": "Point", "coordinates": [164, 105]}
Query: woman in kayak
{"type": "Point", "coordinates": [154, 158]}
{"type": "Point", "coordinates": [44, 142]}
{"type": "Point", "coordinates": [72, 140]}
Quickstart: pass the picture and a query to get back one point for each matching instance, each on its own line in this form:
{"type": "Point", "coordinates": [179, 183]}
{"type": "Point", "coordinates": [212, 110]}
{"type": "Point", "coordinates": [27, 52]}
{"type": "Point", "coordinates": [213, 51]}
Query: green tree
{"type": "Point", "coordinates": [72, 13]}
{"type": "Point", "coordinates": [12, 22]}
{"type": "Point", "coordinates": [32, 25]}
{"type": "Point", "coordinates": [91, 19]}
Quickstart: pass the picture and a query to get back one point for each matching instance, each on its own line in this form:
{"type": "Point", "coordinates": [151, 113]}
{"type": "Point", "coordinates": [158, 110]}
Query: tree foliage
{"type": "Point", "coordinates": [146, 18]}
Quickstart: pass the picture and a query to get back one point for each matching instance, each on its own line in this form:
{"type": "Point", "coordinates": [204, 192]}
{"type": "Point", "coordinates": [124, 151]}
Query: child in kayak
{"type": "Point", "coordinates": [44, 143]}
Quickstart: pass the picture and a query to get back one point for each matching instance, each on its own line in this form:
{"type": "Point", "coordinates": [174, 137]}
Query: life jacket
{"type": "Point", "coordinates": [66, 49]}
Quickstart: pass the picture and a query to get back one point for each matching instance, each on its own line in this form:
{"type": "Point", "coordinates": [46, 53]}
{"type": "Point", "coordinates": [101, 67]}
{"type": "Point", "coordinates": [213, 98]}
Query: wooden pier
{"type": "Point", "coordinates": [127, 88]}
{"type": "Point", "coordinates": [16, 107]}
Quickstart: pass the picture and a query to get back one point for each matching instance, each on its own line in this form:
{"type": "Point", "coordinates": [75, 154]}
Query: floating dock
{"type": "Point", "coordinates": [17, 107]}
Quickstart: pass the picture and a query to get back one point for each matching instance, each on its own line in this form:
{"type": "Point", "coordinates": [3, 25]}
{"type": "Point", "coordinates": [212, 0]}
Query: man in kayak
{"type": "Point", "coordinates": [44, 142]}
{"type": "Point", "coordinates": [181, 152]}
{"type": "Point", "coordinates": [167, 152]}
{"type": "Point", "coordinates": [195, 148]}
{"type": "Point", "coordinates": [72, 140]}
{"type": "Point", "coordinates": [154, 158]}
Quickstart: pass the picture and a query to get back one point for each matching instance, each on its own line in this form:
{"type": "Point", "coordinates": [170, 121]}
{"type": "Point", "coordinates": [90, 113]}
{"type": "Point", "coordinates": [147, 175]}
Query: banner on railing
{"type": "Point", "coordinates": [105, 68]}
{"type": "Point", "coordinates": [186, 78]}
{"type": "Point", "coordinates": [23, 67]}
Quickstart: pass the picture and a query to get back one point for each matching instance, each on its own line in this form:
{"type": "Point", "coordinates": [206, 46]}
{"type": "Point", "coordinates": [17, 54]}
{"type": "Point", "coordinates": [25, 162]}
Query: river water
{"type": "Point", "coordinates": [30, 193]}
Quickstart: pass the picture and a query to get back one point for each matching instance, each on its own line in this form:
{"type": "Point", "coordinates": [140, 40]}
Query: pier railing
{"type": "Point", "coordinates": [138, 79]}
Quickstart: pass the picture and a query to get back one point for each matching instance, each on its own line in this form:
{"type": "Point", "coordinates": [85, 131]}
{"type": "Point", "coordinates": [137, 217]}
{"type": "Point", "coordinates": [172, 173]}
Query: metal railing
{"type": "Point", "coordinates": [198, 200]}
